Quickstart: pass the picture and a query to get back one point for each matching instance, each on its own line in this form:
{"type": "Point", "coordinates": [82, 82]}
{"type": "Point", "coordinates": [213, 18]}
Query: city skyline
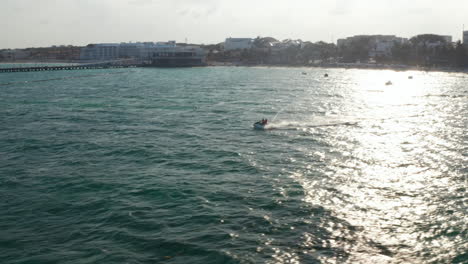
{"type": "Point", "coordinates": [72, 22]}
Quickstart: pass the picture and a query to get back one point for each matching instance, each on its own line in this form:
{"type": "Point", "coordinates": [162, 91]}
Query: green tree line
{"type": "Point", "coordinates": [422, 50]}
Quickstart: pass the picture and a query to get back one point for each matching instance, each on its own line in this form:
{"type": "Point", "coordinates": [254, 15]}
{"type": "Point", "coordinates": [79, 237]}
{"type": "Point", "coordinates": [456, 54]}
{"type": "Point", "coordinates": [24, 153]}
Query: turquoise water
{"type": "Point", "coordinates": [163, 166]}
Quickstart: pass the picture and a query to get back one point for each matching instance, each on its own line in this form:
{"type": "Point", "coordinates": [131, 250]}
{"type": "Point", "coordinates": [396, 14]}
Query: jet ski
{"type": "Point", "coordinates": [259, 126]}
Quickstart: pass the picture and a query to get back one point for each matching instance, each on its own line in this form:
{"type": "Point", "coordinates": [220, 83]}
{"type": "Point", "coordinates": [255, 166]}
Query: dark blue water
{"type": "Point", "coordinates": [163, 166]}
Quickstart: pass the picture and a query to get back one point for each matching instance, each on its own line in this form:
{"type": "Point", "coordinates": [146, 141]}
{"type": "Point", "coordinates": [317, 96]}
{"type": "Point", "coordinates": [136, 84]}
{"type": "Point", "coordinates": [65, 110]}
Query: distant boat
{"type": "Point", "coordinates": [410, 77]}
{"type": "Point", "coordinates": [389, 83]}
{"type": "Point", "coordinates": [304, 73]}
{"type": "Point", "coordinates": [325, 75]}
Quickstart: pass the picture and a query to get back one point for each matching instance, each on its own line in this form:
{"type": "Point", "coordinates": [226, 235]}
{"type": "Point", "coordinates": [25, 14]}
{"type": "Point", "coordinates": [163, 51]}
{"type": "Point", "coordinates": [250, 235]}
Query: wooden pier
{"type": "Point", "coordinates": [64, 68]}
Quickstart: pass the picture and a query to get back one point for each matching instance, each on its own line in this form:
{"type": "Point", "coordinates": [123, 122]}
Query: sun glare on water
{"type": "Point", "coordinates": [387, 169]}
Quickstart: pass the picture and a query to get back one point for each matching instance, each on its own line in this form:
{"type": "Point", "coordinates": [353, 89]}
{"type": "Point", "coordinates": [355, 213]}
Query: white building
{"type": "Point", "coordinates": [106, 51]}
{"type": "Point", "coordinates": [168, 54]}
{"type": "Point", "coordinates": [146, 50]}
{"type": "Point", "coordinates": [160, 53]}
{"type": "Point", "coordinates": [278, 46]}
{"type": "Point", "coordinates": [130, 50]}
{"type": "Point", "coordinates": [238, 43]}
{"type": "Point", "coordinates": [382, 45]}
{"type": "Point", "coordinates": [142, 50]}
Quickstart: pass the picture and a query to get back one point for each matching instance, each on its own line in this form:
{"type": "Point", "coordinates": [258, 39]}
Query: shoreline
{"type": "Point", "coordinates": [359, 66]}
{"type": "Point", "coordinates": [398, 68]}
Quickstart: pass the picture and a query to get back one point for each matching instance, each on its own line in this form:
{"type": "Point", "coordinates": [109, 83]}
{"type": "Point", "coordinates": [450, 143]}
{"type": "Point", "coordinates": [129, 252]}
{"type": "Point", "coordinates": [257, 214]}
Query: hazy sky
{"type": "Point", "coordinates": [36, 23]}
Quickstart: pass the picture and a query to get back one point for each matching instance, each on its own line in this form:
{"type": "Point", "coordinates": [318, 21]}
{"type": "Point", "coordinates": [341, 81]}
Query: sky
{"type": "Point", "coordinates": [42, 23]}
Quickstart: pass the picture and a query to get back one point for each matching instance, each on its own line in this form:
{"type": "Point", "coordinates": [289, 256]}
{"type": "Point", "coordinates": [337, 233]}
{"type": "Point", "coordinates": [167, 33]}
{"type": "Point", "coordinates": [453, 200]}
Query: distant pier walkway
{"type": "Point", "coordinates": [64, 68]}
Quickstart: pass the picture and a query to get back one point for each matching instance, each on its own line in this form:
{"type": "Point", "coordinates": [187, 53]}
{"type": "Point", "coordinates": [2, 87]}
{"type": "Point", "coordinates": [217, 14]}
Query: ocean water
{"type": "Point", "coordinates": [154, 165]}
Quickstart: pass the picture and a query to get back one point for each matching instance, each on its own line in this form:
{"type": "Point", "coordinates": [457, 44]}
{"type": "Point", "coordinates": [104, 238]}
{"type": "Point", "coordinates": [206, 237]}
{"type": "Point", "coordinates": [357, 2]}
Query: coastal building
{"type": "Point", "coordinates": [377, 45]}
{"type": "Point", "coordinates": [382, 45]}
{"type": "Point", "coordinates": [346, 42]}
{"type": "Point", "coordinates": [147, 53]}
{"type": "Point", "coordinates": [46, 54]}
{"type": "Point", "coordinates": [431, 41]}
{"type": "Point", "coordinates": [287, 43]}
{"type": "Point", "coordinates": [447, 38]}
{"type": "Point", "coordinates": [130, 50]}
{"type": "Point", "coordinates": [166, 45]}
{"type": "Point", "coordinates": [465, 38]}
{"type": "Point", "coordinates": [146, 49]}
{"type": "Point", "coordinates": [105, 51]}
{"type": "Point", "coordinates": [14, 54]}
{"type": "Point", "coordinates": [168, 54]}
{"type": "Point", "coordinates": [61, 52]}
{"type": "Point", "coordinates": [237, 43]}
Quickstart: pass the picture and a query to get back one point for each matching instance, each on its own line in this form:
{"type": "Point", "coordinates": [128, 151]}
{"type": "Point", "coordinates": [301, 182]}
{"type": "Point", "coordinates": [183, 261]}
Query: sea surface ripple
{"type": "Point", "coordinates": [162, 166]}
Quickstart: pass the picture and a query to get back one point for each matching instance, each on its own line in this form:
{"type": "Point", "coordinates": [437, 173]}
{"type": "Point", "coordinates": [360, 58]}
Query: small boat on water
{"type": "Point", "coordinates": [260, 125]}
{"type": "Point", "coordinates": [389, 83]}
